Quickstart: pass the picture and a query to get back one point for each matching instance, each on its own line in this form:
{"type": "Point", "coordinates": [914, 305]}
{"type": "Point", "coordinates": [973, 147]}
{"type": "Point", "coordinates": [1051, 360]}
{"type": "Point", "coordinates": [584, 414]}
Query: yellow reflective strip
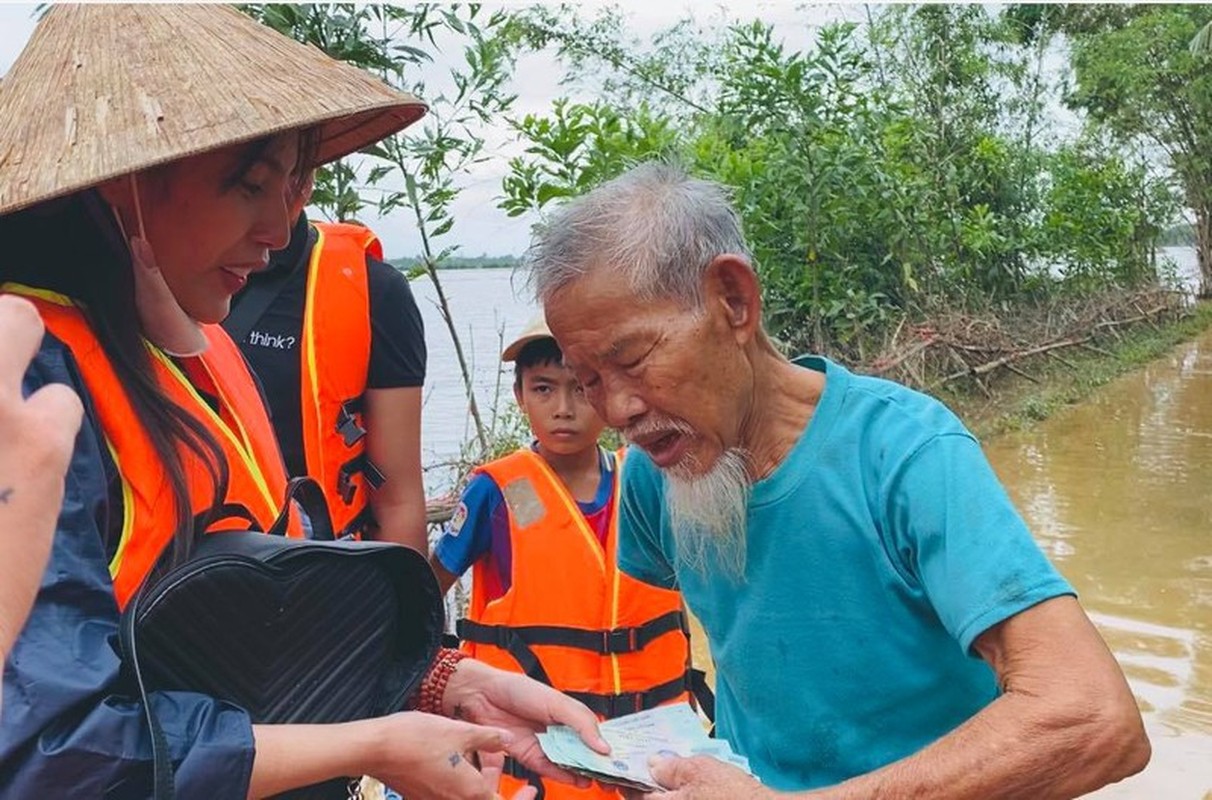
{"type": "Point", "coordinates": [309, 348]}
{"type": "Point", "coordinates": [248, 459]}
{"type": "Point", "coordinates": [571, 506]}
{"type": "Point", "coordinates": [12, 287]}
{"type": "Point", "coordinates": [128, 513]}
{"type": "Point", "coordinates": [595, 547]}
{"type": "Point", "coordinates": [248, 450]}
{"type": "Point", "coordinates": [615, 588]}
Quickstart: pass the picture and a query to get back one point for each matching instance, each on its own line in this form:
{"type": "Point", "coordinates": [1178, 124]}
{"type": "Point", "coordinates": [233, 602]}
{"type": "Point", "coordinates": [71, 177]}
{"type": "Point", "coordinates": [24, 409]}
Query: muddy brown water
{"type": "Point", "coordinates": [1118, 491]}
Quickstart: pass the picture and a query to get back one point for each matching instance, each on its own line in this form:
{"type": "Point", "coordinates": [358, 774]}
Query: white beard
{"type": "Point", "coordinates": [707, 514]}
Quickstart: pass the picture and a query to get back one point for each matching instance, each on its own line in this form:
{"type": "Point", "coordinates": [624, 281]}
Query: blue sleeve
{"type": "Point", "coordinates": [70, 726]}
{"type": "Point", "coordinates": [957, 532]}
{"type": "Point", "coordinates": [468, 535]}
{"type": "Point", "coordinates": [642, 551]}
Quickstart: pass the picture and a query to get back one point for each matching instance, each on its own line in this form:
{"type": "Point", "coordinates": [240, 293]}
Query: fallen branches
{"type": "Point", "coordinates": [957, 346]}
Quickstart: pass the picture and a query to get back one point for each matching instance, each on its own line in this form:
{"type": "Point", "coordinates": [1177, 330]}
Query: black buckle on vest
{"type": "Point", "coordinates": [347, 425]}
{"type": "Point", "coordinates": [619, 640]}
{"type": "Point", "coordinates": [358, 464]}
{"type": "Point", "coordinates": [618, 705]}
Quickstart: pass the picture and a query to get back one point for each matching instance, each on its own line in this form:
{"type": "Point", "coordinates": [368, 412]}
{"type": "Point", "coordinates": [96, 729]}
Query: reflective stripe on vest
{"type": "Point", "coordinates": [621, 638]}
{"type": "Point", "coordinates": [257, 481]}
{"type": "Point", "coordinates": [335, 359]}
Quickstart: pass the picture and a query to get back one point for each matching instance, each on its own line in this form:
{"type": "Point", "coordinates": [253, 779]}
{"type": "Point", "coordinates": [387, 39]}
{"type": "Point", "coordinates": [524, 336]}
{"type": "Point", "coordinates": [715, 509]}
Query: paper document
{"type": "Point", "coordinates": [673, 730]}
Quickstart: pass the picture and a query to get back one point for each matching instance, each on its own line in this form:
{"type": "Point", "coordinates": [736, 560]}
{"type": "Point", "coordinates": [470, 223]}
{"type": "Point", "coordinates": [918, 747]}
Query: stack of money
{"type": "Point", "coordinates": [673, 730]}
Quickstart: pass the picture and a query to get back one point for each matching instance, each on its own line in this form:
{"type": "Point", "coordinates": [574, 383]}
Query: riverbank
{"type": "Point", "coordinates": [1018, 402]}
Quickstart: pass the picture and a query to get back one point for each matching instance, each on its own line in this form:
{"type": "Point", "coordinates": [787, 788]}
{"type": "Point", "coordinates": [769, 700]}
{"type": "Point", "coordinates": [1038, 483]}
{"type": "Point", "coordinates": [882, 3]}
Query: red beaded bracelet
{"type": "Point", "coordinates": [433, 686]}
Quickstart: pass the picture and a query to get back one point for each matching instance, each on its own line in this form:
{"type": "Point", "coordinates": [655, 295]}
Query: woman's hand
{"type": "Point", "coordinates": [427, 757]}
{"type": "Point", "coordinates": [523, 707]}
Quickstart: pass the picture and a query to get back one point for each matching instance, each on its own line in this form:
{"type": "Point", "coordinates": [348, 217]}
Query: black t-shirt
{"type": "Point", "coordinates": [397, 336]}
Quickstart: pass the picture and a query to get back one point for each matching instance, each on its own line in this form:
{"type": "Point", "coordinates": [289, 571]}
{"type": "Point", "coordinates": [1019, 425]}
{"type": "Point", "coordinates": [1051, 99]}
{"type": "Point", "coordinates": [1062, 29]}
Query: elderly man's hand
{"type": "Point", "coordinates": [702, 778]}
{"type": "Point", "coordinates": [36, 439]}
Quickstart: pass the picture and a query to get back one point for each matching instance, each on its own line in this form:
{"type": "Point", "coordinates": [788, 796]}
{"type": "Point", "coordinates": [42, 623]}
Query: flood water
{"type": "Point", "coordinates": [1118, 491]}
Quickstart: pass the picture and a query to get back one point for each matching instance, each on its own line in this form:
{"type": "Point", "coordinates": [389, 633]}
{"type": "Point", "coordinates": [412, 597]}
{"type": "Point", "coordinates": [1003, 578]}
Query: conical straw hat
{"type": "Point", "coordinates": [105, 90]}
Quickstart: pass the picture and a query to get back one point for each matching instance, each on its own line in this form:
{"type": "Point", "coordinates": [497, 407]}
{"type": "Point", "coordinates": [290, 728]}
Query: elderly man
{"type": "Point", "coordinates": [881, 621]}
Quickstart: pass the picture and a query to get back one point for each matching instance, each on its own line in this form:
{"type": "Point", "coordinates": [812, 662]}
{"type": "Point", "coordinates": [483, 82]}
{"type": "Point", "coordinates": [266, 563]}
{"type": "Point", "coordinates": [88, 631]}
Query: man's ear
{"type": "Point", "coordinates": [730, 284]}
{"type": "Point", "coordinates": [517, 395]}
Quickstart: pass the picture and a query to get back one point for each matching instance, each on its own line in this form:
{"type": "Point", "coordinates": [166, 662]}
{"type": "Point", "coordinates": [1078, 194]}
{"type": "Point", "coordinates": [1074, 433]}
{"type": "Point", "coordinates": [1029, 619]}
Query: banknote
{"type": "Point", "coordinates": [673, 730]}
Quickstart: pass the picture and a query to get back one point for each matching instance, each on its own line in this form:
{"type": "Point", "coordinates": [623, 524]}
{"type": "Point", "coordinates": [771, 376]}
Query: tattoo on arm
{"type": "Point", "coordinates": [5, 494]}
{"type": "Point", "coordinates": [454, 759]}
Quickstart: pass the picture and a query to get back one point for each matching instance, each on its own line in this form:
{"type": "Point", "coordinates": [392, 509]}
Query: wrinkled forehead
{"type": "Point", "coordinates": [596, 326]}
{"type": "Point", "coordinates": [591, 302]}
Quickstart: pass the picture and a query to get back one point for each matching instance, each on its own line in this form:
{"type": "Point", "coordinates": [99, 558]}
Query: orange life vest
{"type": "Point", "coordinates": [335, 356]}
{"type": "Point", "coordinates": [257, 481]}
{"type": "Point", "coordinates": [570, 618]}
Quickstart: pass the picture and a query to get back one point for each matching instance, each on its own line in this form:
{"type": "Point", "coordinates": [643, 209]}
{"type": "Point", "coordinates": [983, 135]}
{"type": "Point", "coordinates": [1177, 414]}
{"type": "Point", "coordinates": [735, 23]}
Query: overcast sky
{"type": "Point", "coordinates": [480, 227]}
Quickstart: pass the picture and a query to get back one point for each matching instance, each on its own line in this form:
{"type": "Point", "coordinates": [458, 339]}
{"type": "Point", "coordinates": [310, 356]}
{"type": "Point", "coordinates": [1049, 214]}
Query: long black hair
{"type": "Point", "coordinates": [74, 246]}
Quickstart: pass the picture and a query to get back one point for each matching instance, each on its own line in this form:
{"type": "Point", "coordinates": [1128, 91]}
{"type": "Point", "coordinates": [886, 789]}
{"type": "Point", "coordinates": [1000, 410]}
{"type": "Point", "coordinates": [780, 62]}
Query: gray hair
{"type": "Point", "coordinates": [655, 225]}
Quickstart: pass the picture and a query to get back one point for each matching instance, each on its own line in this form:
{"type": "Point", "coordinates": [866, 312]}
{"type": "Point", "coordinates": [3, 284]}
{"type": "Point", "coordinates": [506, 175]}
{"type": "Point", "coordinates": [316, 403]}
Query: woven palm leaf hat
{"type": "Point", "coordinates": [101, 91]}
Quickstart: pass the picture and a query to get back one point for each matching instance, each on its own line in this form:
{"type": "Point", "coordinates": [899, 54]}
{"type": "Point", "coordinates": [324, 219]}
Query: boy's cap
{"type": "Point", "coordinates": [534, 330]}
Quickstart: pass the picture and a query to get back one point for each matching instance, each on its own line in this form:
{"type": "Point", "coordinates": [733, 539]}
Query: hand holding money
{"type": "Point", "coordinates": [701, 778]}
{"type": "Point", "coordinates": [636, 739]}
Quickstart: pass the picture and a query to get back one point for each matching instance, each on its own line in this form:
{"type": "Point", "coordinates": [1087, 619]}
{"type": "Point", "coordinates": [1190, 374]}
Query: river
{"type": "Point", "coordinates": [1117, 489]}
{"type": "Point", "coordinates": [488, 306]}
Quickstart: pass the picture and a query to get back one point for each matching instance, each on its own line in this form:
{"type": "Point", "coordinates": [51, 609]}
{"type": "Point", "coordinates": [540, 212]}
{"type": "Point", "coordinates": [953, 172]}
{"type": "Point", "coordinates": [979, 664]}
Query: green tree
{"type": "Point", "coordinates": [904, 171]}
{"type": "Point", "coordinates": [1136, 74]}
{"type": "Point", "coordinates": [418, 169]}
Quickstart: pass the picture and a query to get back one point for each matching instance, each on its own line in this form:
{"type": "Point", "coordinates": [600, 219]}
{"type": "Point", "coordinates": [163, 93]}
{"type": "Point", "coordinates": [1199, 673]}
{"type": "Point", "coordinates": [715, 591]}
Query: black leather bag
{"type": "Point", "coordinates": [292, 630]}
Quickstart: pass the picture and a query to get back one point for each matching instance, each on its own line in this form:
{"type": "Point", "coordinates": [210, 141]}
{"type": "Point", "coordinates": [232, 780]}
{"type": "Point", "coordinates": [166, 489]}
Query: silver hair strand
{"type": "Point", "coordinates": [654, 225]}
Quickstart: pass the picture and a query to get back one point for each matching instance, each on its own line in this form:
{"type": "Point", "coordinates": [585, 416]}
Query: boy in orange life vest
{"type": "Point", "coordinates": [538, 529]}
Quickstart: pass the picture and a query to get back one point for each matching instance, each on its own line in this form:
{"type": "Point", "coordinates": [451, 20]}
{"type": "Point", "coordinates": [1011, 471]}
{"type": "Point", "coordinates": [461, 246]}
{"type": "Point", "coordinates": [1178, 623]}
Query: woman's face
{"type": "Point", "coordinates": [212, 219]}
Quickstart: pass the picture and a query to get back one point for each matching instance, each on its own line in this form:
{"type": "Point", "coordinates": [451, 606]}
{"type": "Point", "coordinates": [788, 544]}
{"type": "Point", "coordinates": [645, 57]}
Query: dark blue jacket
{"type": "Point", "coordinates": [71, 724]}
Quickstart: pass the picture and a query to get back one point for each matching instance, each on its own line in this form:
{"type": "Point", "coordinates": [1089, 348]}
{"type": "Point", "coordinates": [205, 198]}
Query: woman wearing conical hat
{"type": "Point", "coordinates": [148, 155]}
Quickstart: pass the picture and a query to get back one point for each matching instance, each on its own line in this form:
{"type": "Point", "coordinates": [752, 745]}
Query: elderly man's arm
{"type": "Point", "coordinates": [1065, 724]}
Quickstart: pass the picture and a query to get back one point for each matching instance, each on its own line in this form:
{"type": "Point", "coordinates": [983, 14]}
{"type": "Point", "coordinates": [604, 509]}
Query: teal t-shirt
{"type": "Point", "coordinates": [877, 552]}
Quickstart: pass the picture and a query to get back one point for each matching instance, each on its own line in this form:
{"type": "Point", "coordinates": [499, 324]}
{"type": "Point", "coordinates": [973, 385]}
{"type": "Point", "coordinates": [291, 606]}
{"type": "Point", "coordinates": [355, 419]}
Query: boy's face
{"type": "Point", "coordinates": [560, 416]}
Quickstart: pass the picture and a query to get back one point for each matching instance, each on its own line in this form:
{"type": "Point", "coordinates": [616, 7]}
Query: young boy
{"type": "Point", "coordinates": [537, 528]}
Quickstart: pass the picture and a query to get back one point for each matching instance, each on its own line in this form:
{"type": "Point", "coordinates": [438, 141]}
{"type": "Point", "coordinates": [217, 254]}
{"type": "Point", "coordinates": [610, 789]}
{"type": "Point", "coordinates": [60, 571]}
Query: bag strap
{"type": "Point", "coordinates": [310, 497]}
{"type": "Point", "coordinates": [164, 773]}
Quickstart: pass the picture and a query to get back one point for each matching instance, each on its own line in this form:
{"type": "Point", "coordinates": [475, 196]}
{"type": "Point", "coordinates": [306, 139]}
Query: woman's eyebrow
{"type": "Point", "coordinates": [271, 162]}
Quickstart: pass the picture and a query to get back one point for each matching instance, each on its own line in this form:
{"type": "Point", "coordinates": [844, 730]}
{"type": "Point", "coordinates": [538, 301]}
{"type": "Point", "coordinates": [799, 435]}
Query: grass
{"type": "Point", "coordinates": [1018, 403]}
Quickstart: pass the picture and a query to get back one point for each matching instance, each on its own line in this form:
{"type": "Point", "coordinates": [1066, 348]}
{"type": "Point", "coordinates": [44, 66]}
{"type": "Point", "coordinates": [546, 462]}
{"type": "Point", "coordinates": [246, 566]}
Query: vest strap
{"type": "Point", "coordinates": [359, 525]}
{"type": "Point", "coordinates": [615, 641]}
{"type": "Point", "coordinates": [347, 424]}
{"type": "Point", "coordinates": [616, 705]}
{"type": "Point", "coordinates": [507, 639]}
